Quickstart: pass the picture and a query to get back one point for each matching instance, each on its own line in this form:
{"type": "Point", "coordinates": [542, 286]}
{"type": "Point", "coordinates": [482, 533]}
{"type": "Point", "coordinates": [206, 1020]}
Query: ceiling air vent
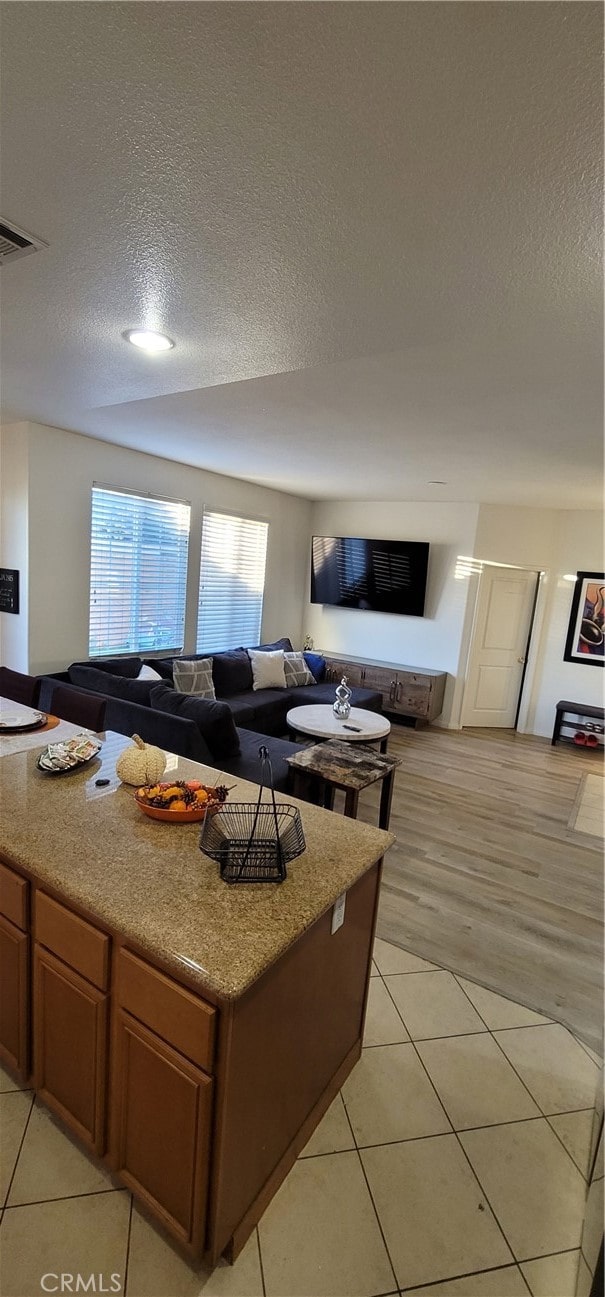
{"type": "Point", "coordinates": [16, 243]}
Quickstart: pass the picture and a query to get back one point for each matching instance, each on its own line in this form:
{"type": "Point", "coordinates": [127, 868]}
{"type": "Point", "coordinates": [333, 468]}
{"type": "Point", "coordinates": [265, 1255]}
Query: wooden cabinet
{"type": "Point", "coordinates": [14, 971]}
{"type": "Point", "coordinates": [71, 977]}
{"type": "Point", "coordinates": [162, 1097]}
{"type": "Point", "coordinates": [163, 1106]}
{"type": "Point", "coordinates": [406, 691]}
{"type": "Point", "coordinates": [336, 668]}
{"type": "Point", "coordinates": [152, 1077]}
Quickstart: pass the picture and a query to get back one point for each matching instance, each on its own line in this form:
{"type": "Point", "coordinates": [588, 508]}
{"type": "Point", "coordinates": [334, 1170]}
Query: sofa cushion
{"type": "Point", "coordinates": [316, 665]}
{"type": "Point", "coordinates": [231, 672]}
{"type": "Point", "coordinates": [269, 708]}
{"type": "Point", "coordinates": [127, 667]}
{"type": "Point", "coordinates": [194, 676]}
{"type": "Point", "coordinates": [243, 708]}
{"type": "Point", "coordinates": [297, 671]}
{"type": "Point", "coordinates": [163, 666]}
{"type": "Point", "coordinates": [247, 764]}
{"type": "Point", "coordinates": [284, 644]}
{"type": "Point", "coordinates": [104, 682]}
{"type": "Point", "coordinates": [213, 719]}
{"type": "Point", "coordinates": [267, 669]}
{"type": "Point", "coordinates": [369, 699]}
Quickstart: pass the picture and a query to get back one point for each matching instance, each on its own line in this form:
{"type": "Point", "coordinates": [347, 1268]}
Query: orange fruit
{"type": "Point", "coordinates": [178, 805]}
{"type": "Point", "coordinates": [201, 795]}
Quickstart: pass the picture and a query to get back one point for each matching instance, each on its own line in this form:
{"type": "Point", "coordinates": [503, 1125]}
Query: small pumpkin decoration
{"type": "Point", "coordinates": [141, 764]}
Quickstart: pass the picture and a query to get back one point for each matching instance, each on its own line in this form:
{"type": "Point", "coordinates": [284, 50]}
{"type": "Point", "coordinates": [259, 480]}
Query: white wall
{"type": "Point", "coordinates": [558, 543]}
{"type": "Point", "coordinates": [430, 641]}
{"type": "Point", "coordinates": [62, 469]}
{"type": "Point", "coordinates": [578, 548]}
{"type": "Point", "coordinates": [14, 540]}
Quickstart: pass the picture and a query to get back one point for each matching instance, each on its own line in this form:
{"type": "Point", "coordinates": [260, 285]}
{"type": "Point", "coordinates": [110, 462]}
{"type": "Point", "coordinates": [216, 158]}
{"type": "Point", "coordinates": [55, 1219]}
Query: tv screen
{"type": "Point", "coordinates": [378, 575]}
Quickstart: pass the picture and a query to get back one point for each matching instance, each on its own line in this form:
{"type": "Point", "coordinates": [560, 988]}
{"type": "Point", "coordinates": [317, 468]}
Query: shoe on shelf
{"type": "Point", "coordinates": [580, 739]}
{"type": "Point", "coordinates": [592, 741]}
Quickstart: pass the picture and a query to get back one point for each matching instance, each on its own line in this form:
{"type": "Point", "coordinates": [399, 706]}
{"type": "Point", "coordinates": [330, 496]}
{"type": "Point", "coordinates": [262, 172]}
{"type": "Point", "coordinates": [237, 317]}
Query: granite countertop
{"type": "Point", "coordinates": [149, 882]}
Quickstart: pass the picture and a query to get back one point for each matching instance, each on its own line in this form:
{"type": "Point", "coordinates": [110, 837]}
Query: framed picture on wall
{"type": "Point", "coordinates": [586, 631]}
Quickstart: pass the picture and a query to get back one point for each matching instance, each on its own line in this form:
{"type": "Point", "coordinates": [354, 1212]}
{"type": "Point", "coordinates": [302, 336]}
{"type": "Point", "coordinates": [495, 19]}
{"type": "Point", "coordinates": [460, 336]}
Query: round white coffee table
{"type": "Point", "coordinates": [319, 720]}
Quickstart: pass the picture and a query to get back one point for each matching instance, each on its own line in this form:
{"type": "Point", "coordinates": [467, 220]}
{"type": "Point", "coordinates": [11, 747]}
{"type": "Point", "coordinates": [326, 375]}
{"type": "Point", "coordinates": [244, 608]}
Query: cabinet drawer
{"type": "Point", "coordinates": [14, 897]}
{"type": "Point", "coordinates": [74, 940]}
{"type": "Point", "coordinates": [175, 1014]}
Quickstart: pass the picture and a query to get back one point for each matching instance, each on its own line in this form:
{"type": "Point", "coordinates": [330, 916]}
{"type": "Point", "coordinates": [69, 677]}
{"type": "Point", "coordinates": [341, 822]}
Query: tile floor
{"type": "Point", "coordinates": [452, 1164]}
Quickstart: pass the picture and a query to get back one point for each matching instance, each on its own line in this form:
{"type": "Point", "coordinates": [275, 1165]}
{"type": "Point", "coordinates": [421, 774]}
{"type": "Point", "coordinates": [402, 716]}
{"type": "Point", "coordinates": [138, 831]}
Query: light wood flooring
{"type": "Point", "coordinates": [486, 878]}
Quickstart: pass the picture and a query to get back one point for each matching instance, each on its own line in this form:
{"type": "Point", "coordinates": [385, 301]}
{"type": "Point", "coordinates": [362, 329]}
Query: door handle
{"type": "Point", "coordinates": [521, 660]}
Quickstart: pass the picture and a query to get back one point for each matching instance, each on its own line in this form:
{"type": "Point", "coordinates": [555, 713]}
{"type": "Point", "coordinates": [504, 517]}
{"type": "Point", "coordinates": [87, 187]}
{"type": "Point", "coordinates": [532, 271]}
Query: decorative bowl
{"type": "Point", "coordinates": [193, 812]}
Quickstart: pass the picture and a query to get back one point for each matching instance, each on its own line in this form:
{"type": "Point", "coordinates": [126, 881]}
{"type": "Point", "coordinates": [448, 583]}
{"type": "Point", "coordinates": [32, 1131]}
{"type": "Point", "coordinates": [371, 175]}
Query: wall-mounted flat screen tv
{"type": "Point", "coordinates": [378, 575]}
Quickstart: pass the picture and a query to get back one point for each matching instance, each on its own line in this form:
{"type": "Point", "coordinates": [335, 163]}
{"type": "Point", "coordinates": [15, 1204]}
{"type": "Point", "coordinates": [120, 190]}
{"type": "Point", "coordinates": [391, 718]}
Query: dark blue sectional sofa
{"type": "Point", "coordinates": [225, 733]}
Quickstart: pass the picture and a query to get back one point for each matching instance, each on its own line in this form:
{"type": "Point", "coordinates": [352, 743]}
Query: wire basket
{"type": "Point", "coordinates": [253, 843]}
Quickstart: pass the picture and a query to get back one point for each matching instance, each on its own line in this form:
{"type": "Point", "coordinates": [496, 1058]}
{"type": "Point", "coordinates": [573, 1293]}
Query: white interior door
{"type": "Point", "coordinates": [504, 610]}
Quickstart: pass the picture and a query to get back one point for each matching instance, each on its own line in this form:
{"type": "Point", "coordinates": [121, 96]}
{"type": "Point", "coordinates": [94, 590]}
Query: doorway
{"type": "Point", "coordinates": [498, 652]}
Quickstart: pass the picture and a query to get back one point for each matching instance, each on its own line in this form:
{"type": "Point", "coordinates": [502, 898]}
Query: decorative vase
{"type": "Point", "coordinates": [342, 705]}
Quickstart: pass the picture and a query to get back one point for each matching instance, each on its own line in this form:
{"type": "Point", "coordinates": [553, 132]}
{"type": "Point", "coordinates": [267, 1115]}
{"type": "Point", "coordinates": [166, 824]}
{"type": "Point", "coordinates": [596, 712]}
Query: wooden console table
{"type": "Point", "coordinates": [406, 691]}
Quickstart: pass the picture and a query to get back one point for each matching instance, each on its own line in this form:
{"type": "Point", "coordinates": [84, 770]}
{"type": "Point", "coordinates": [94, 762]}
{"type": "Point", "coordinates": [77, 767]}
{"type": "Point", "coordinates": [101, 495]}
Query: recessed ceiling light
{"type": "Point", "coordinates": [147, 340]}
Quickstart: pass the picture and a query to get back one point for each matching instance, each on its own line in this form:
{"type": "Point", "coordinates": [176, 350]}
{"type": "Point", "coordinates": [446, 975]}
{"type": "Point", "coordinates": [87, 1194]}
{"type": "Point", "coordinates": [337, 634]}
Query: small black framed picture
{"type": "Point", "coordinates": [586, 631]}
{"type": "Point", "coordinates": [9, 589]}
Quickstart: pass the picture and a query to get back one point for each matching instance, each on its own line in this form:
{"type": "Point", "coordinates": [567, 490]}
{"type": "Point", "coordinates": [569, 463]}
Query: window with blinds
{"type": "Point", "coordinates": [232, 581]}
{"type": "Point", "coordinates": [138, 572]}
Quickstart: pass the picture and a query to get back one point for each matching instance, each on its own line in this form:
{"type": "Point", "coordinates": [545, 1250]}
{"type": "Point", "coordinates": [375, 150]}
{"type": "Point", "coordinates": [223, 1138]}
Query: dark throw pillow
{"type": "Point", "coordinates": [231, 672]}
{"type": "Point", "coordinates": [284, 644]}
{"type": "Point", "coordinates": [213, 719]}
{"type": "Point", "coordinates": [163, 666]}
{"type": "Point", "coordinates": [104, 682]}
{"type": "Point", "coordinates": [127, 667]}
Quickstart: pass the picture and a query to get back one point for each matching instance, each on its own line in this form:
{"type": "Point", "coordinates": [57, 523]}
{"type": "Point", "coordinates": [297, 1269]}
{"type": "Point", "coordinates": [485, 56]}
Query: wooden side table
{"type": "Point", "coordinates": [350, 767]}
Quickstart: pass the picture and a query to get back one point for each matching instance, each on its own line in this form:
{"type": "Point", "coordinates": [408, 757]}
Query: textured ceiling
{"type": "Point", "coordinates": [373, 231]}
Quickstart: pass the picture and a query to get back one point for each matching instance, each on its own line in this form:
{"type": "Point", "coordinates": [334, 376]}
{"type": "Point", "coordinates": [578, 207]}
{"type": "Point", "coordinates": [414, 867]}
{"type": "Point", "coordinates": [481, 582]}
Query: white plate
{"type": "Point", "coordinates": [21, 720]}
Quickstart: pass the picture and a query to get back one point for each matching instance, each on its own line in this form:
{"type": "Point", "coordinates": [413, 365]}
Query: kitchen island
{"type": "Point", "coordinates": [190, 1033]}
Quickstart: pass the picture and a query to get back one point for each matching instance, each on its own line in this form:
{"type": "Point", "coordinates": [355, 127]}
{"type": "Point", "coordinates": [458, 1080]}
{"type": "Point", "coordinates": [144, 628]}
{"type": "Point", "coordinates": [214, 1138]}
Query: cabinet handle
{"type": "Point", "coordinates": [398, 692]}
{"type": "Point", "coordinates": [392, 691]}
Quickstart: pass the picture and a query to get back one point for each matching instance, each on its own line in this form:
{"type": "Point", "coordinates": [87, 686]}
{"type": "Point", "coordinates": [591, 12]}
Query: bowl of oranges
{"type": "Point", "coordinates": [181, 802]}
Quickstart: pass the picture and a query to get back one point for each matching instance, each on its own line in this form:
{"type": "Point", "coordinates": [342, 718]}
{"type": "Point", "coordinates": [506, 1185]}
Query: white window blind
{"type": "Point", "coordinates": [138, 572]}
{"type": "Point", "coordinates": [232, 581]}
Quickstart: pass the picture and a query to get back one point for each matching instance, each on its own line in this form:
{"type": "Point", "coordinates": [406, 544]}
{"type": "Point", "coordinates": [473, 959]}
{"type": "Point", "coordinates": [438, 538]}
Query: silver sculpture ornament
{"type": "Point", "coordinates": [342, 705]}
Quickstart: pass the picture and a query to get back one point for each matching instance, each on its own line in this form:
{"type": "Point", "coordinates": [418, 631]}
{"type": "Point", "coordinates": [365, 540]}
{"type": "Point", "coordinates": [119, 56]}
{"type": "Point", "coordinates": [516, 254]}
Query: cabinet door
{"type": "Point", "coordinates": [412, 694]}
{"type": "Point", "coordinates": [384, 679]}
{"type": "Point", "coordinates": [14, 997]}
{"type": "Point", "coordinates": [161, 1128]}
{"type": "Point", "coordinates": [335, 670]}
{"type": "Point", "coordinates": [70, 1047]}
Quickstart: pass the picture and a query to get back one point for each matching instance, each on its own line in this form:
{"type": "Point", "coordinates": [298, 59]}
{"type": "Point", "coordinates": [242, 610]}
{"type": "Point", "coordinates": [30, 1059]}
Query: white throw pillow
{"type": "Point", "coordinates": [194, 677]}
{"type": "Point", "coordinates": [267, 669]}
{"type": "Point", "coordinates": [297, 671]}
{"type": "Point", "coordinates": [148, 673]}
